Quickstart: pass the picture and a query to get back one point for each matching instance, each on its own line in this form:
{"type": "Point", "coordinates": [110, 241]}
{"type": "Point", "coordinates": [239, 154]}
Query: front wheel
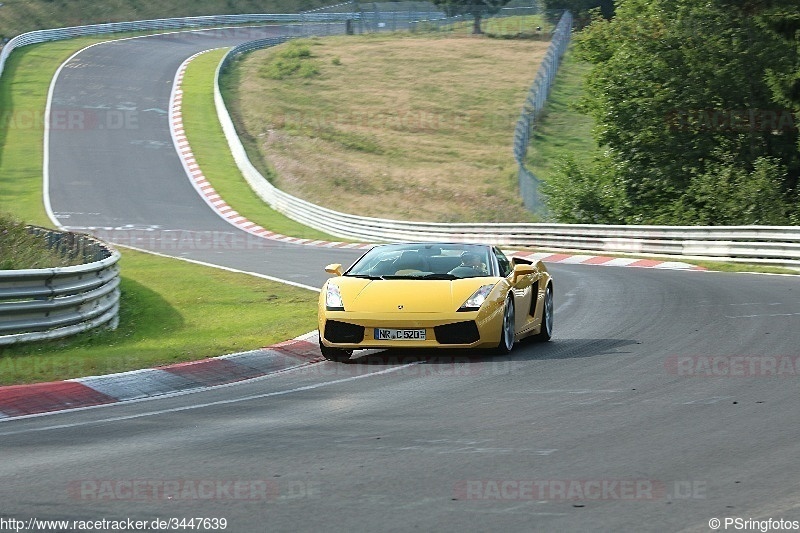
{"type": "Point", "coordinates": [507, 329]}
{"type": "Point", "coordinates": [547, 317]}
{"type": "Point", "coordinates": [335, 354]}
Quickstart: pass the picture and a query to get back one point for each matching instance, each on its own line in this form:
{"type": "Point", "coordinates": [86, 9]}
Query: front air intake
{"type": "Point", "coordinates": [457, 333]}
{"type": "Point", "coordinates": [342, 332]}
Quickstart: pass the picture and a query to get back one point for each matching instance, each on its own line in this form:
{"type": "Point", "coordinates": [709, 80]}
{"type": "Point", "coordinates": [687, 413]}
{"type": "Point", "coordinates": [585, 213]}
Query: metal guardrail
{"type": "Point", "coordinates": [753, 244]}
{"type": "Point", "coordinates": [51, 303]}
{"type": "Point", "coordinates": [534, 103]}
{"type": "Point", "coordinates": [56, 34]}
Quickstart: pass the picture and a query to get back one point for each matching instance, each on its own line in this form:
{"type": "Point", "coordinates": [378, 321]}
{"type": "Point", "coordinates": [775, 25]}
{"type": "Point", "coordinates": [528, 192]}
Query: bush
{"type": "Point", "coordinates": [585, 195]}
{"type": "Point", "coordinates": [292, 60]}
{"type": "Point", "coordinates": [729, 195]}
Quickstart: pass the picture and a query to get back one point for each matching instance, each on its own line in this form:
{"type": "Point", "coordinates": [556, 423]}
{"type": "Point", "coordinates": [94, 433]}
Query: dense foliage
{"type": "Point", "coordinates": [696, 110]}
{"type": "Point", "coordinates": [581, 9]}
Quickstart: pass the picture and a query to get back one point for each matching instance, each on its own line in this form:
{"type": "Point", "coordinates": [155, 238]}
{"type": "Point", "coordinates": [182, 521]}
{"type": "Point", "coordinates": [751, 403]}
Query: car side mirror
{"type": "Point", "coordinates": [520, 271]}
{"type": "Point", "coordinates": [335, 269]}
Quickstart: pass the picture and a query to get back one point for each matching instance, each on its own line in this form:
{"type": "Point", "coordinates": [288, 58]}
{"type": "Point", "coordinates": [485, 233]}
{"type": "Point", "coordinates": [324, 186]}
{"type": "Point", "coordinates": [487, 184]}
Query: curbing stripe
{"type": "Point", "coordinates": [597, 260]}
{"type": "Point", "coordinates": [37, 398]}
{"type": "Point", "coordinates": [582, 259]}
{"type": "Point", "coordinates": [210, 372]}
{"type": "Point", "coordinates": [21, 400]}
{"type": "Point", "coordinates": [621, 261]}
{"type": "Point", "coordinates": [646, 263]}
{"type": "Point", "coordinates": [137, 384]}
{"type": "Point", "coordinates": [576, 259]}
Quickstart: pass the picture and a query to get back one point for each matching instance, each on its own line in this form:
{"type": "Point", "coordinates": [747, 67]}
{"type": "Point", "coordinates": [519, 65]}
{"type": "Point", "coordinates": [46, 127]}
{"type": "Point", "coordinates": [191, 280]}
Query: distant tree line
{"type": "Point", "coordinates": [696, 106]}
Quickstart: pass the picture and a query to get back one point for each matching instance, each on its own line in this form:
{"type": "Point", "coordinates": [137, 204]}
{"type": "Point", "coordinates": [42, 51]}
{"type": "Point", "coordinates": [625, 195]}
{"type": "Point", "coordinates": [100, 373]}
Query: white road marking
{"type": "Point", "coordinates": [774, 315]}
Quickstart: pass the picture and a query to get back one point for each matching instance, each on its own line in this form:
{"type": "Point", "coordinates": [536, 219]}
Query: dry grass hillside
{"type": "Point", "coordinates": [394, 126]}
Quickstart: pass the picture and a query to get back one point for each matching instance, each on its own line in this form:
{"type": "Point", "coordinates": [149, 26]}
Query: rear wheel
{"type": "Point", "coordinates": [507, 330]}
{"type": "Point", "coordinates": [335, 354]}
{"type": "Point", "coordinates": [547, 316]}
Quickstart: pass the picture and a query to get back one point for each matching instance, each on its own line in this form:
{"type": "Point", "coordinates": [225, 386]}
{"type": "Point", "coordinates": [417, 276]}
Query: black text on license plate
{"type": "Point", "coordinates": [399, 334]}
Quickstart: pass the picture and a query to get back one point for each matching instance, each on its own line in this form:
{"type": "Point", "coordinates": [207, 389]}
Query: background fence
{"type": "Point", "coordinates": [534, 103]}
{"type": "Point", "coordinates": [50, 303]}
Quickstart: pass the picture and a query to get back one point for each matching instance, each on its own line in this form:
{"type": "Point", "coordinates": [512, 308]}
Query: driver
{"type": "Point", "coordinates": [471, 264]}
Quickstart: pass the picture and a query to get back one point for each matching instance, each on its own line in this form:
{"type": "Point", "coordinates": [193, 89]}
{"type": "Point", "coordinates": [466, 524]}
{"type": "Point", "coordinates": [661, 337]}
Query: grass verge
{"type": "Point", "coordinates": [562, 130]}
{"type": "Point", "coordinates": [214, 157]}
{"type": "Point", "coordinates": [186, 312]}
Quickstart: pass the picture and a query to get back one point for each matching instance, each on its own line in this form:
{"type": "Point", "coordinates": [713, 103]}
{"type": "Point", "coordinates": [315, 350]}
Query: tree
{"type": "Point", "coordinates": [581, 9]}
{"type": "Point", "coordinates": [783, 19]}
{"type": "Point", "coordinates": [679, 91]}
{"type": "Point", "coordinates": [476, 8]}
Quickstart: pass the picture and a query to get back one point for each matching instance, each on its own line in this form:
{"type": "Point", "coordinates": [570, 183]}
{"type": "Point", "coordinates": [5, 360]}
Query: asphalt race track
{"type": "Point", "coordinates": [665, 399]}
{"type": "Point", "coordinates": [113, 165]}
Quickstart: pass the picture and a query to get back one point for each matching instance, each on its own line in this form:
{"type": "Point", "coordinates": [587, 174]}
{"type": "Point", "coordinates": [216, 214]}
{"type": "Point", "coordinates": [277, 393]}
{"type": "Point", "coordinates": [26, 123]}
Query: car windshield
{"type": "Point", "coordinates": [424, 261]}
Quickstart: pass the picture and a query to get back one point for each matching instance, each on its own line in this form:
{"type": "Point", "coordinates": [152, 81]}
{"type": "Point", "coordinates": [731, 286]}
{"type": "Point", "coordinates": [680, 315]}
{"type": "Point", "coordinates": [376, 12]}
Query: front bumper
{"type": "Point", "coordinates": [356, 331]}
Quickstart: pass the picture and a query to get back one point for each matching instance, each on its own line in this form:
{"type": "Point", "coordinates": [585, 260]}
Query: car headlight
{"type": "Point", "coordinates": [333, 298]}
{"type": "Point", "coordinates": [475, 301]}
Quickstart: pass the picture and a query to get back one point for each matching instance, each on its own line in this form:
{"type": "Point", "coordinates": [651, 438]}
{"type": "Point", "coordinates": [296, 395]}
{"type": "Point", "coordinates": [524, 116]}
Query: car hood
{"type": "Point", "coordinates": [407, 295]}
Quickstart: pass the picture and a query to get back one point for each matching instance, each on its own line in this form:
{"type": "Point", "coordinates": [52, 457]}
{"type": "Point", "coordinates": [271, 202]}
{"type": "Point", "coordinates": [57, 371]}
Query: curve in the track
{"type": "Point", "coordinates": [112, 164]}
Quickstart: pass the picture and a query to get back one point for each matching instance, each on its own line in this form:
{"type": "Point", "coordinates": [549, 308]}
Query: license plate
{"type": "Point", "coordinates": [399, 334]}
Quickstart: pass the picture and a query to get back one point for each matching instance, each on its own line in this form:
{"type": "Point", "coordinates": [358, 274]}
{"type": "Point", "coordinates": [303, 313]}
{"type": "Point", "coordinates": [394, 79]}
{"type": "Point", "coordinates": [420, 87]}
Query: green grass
{"type": "Point", "coordinates": [562, 130]}
{"type": "Point", "coordinates": [186, 312]}
{"type": "Point", "coordinates": [214, 157]}
{"type": "Point", "coordinates": [718, 266]}
{"type": "Point", "coordinates": [514, 27]}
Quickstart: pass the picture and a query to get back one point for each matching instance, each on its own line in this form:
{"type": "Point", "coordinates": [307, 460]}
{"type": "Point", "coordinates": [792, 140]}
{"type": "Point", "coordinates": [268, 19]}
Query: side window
{"type": "Point", "coordinates": [503, 263]}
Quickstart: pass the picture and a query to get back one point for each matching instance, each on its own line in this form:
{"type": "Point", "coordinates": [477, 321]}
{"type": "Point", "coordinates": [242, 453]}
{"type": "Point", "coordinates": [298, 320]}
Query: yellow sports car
{"type": "Point", "coordinates": [442, 295]}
